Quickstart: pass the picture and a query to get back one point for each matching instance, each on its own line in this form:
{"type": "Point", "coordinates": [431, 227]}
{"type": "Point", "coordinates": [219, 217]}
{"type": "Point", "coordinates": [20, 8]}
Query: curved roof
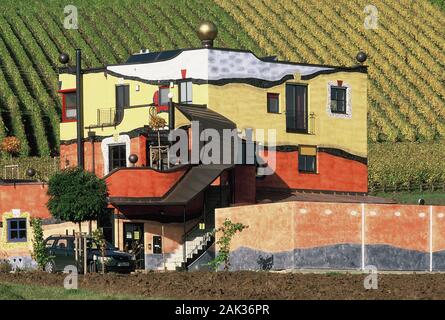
{"type": "Point", "coordinates": [209, 64]}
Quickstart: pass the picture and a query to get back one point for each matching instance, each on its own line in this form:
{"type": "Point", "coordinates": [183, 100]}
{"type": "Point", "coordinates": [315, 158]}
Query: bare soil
{"type": "Point", "coordinates": [248, 285]}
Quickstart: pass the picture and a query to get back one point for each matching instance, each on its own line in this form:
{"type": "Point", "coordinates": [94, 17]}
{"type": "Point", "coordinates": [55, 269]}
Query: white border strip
{"type": "Point", "coordinates": [363, 236]}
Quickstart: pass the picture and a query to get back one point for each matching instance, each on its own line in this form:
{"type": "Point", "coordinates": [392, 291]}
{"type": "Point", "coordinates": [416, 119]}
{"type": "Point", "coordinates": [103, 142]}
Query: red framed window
{"type": "Point", "coordinates": [163, 98]}
{"type": "Point", "coordinates": [273, 102]}
{"type": "Point", "coordinates": [69, 105]}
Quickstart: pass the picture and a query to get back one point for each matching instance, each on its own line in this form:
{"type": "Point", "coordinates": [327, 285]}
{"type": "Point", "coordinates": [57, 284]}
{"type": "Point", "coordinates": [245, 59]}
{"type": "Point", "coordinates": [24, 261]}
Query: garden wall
{"type": "Point", "coordinates": [26, 200]}
{"type": "Point", "coordinates": [294, 235]}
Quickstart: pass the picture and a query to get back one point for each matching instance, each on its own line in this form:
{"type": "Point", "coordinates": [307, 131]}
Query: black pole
{"type": "Point", "coordinates": [79, 96]}
{"type": "Point", "coordinates": [171, 114]}
{"type": "Point", "coordinates": [185, 242]}
{"type": "Point", "coordinates": [92, 135]}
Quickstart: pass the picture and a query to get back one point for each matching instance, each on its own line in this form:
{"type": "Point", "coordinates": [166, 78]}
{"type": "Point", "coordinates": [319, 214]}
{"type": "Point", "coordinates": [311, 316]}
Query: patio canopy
{"type": "Point", "coordinates": [208, 119]}
{"type": "Point", "coordinates": [194, 181]}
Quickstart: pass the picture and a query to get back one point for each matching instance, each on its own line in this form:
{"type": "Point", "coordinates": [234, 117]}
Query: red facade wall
{"type": "Point", "coordinates": [68, 154]}
{"type": "Point", "coordinates": [245, 184]}
{"type": "Point", "coordinates": [68, 157]}
{"type": "Point", "coordinates": [28, 197]}
{"type": "Point", "coordinates": [334, 174]}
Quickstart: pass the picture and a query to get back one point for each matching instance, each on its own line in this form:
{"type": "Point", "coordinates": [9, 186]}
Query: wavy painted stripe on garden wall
{"type": "Point", "coordinates": [339, 256]}
{"type": "Point", "coordinates": [386, 257]}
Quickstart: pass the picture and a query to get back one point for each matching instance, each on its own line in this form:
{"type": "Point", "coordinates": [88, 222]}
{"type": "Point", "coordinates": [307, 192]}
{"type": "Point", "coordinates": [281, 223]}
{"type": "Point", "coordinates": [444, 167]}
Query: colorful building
{"type": "Point", "coordinates": [319, 114]}
{"type": "Point", "coordinates": [165, 210]}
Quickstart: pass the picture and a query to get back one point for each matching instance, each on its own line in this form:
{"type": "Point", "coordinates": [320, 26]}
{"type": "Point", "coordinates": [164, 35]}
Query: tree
{"type": "Point", "coordinates": [39, 252]}
{"type": "Point", "coordinates": [228, 230]}
{"type": "Point", "coordinates": [76, 195]}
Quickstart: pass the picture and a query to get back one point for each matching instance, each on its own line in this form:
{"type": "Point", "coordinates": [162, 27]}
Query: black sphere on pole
{"type": "Point", "coordinates": [133, 158]}
{"type": "Point", "coordinates": [361, 57]}
{"type": "Point", "coordinates": [421, 202]}
{"type": "Point", "coordinates": [30, 172]}
{"type": "Point", "coordinates": [64, 58]}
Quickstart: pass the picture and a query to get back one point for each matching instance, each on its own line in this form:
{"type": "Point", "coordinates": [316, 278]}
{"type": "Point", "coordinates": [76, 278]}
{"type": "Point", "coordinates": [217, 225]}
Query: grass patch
{"type": "Point", "coordinates": [431, 198]}
{"type": "Point", "coordinates": [12, 291]}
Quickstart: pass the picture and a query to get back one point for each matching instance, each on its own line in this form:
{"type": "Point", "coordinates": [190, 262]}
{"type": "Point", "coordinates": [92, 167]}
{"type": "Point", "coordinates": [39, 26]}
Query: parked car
{"type": "Point", "coordinates": [62, 250]}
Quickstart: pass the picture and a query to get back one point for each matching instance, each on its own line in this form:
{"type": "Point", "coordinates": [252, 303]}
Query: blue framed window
{"type": "Point", "coordinates": [16, 230]}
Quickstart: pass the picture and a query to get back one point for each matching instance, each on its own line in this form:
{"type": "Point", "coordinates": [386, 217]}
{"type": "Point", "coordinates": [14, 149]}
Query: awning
{"type": "Point", "coordinates": [208, 119]}
{"type": "Point", "coordinates": [194, 181]}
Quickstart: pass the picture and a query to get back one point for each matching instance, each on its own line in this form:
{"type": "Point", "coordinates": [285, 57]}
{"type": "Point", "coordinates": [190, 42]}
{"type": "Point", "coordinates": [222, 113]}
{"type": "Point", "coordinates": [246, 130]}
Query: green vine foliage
{"type": "Point", "coordinates": [228, 230]}
{"type": "Point", "coordinates": [76, 195]}
{"type": "Point", "coordinates": [39, 254]}
{"type": "Point", "coordinates": [98, 237]}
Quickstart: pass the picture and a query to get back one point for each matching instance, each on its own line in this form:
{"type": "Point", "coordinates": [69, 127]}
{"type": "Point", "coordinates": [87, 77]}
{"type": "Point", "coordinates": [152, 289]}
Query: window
{"type": "Point", "coordinates": [273, 100]}
{"type": "Point", "coordinates": [185, 92]}
{"type": "Point", "coordinates": [106, 223]}
{"type": "Point", "coordinates": [163, 96]}
{"type": "Point", "coordinates": [122, 101]}
{"type": "Point", "coordinates": [117, 156]}
{"type": "Point", "coordinates": [69, 106]}
{"type": "Point", "coordinates": [157, 244]}
{"type": "Point", "coordinates": [122, 96]}
{"type": "Point", "coordinates": [296, 108]}
{"type": "Point", "coordinates": [49, 243]}
{"type": "Point", "coordinates": [17, 230]}
{"type": "Point", "coordinates": [307, 159]}
{"type": "Point", "coordinates": [338, 99]}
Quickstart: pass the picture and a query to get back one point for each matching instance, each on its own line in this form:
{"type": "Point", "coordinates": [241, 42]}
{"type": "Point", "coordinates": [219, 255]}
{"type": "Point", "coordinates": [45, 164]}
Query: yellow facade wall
{"type": "Point", "coordinates": [244, 104]}
{"type": "Point", "coordinates": [99, 93]}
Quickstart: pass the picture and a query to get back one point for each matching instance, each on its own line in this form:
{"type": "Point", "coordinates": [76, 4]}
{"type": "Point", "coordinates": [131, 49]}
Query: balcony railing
{"type": "Point", "coordinates": [107, 117]}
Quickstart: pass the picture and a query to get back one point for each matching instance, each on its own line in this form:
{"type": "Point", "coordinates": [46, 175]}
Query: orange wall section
{"type": "Point", "coordinates": [402, 226]}
{"type": "Point", "coordinates": [438, 227]}
{"type": "Point", "coordinates": [323, 224]}
{"type": "Point", "coordinates": [28, 197]}
{"type": "Point", "coordinates": [142, 182]}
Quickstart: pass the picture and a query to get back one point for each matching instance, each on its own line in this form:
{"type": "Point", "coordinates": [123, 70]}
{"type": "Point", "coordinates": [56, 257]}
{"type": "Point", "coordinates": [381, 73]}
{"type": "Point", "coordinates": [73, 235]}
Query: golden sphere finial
{"type": "Point", "coordinates": [207, 32]}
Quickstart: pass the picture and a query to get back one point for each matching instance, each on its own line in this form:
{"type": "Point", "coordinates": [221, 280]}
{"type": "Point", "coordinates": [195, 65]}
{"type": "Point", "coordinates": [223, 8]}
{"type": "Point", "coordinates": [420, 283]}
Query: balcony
{"type": "Point", "coordinates": [109, 117]}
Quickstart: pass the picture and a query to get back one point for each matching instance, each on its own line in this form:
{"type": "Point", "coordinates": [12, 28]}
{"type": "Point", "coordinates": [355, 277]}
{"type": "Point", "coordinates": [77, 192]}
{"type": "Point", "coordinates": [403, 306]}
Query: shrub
{"type": "Point", "coordinates": [38, 244]}
{"type": "Point", "coordinates": [10, 145]}
{"type": "Point", "coordinates": [5, 266]}
{"type": "Point", "coordinates": [228, 230]}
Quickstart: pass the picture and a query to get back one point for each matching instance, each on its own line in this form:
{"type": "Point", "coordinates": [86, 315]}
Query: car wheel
{"type": "Point", "coordinates": [50, 267]}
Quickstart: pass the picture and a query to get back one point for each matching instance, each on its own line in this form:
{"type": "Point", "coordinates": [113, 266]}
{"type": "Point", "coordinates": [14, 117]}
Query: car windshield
{"type": "Point", "coordinates": [91, 244]}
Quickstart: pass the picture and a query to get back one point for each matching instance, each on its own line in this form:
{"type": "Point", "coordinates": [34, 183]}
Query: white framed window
{"type": "Point", "coordinates": [185, 92]}
{"type": "Point", "coordinates": [339, 100]}
{"type": "Point", "coordinates": [110, 142]}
